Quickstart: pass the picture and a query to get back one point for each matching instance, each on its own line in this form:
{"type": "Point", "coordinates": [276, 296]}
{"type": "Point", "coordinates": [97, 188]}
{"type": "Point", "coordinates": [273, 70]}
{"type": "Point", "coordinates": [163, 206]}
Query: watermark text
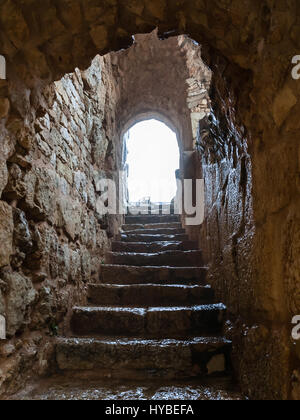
{"type": "Point", "coordinates": [150, 410]}
{"type": "Point", "coordinates": [296, 329]}
{"type": "Point", "coordinates": [189, 200]}
{"type": "Point", "coordinates": [296, 68]}
{"type": "Point", "coordinates": [2, 328]}
{"type": "Point", "coordinates": [2, 68]}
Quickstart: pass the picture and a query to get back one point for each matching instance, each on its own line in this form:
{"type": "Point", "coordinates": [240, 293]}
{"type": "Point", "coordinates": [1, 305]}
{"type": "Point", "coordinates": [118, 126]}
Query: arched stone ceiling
{"type": "Point", "coordinates": [51, 37]}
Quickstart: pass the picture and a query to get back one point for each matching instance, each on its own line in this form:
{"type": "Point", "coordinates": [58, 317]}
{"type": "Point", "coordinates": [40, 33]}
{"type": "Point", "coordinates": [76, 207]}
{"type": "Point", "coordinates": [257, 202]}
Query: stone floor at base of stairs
{"type": "Point", "coordinates": [58, 388]}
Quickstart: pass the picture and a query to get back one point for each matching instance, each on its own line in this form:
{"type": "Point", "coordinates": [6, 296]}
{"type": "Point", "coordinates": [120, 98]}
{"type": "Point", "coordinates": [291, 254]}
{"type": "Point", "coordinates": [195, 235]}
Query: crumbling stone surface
{"type": "Point", "coordinates": [146, 75]}
{"type": "Point", "coordinates": [20, 297]}
{"type": "Point", "coordinates": [251, 234]}
{"type": "Point", "coordinates": [51, 240]}
{"type": "Point", "coordinates": [6, 233]}
{"type": "Point", "coordinates": [247, 234]}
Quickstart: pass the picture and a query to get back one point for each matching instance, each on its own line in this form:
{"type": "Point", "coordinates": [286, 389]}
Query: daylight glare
{"type": "Point", "coordinates": [153, 158]}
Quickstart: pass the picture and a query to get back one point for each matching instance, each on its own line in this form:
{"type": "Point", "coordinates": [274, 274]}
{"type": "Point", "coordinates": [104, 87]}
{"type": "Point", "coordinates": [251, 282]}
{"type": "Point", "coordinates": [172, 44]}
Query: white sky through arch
{"type": "Point", "coordinates": [153, 157]}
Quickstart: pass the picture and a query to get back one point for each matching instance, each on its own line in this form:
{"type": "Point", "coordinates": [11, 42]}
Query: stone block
{"type": "Point", "coordinates": [20, 298]}
{"type": "Point", "coordinates": [100, 37]}
{"type": "Point", "coordinates": [69, 212]}
{"type": "Point", "coordinates": [4, 107]}
{"type": "Point", "coordinates": [45, 193]}
{"type": "Point", "coordinates": [284, 102]}
{"type": "Point", "coordinates": [3, 175]}
{"type": "Point", "coordinates": [6, 233]}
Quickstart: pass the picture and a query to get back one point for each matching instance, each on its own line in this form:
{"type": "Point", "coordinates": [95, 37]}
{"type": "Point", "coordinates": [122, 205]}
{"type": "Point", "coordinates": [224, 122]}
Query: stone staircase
{"type": "Point", "coordinates": [152, 315]}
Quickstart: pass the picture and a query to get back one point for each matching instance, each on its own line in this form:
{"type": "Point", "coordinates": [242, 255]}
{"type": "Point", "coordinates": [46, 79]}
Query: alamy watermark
{"type": "Point", "coordinates": [2, 328]}
{"type": "Point", "coordinates": [296, 329]}
{"type": "Point", "coordinates": [2, 68]}
{"type": "Point", "coordinates": [189, 200]}
{"type": "Point", "coordinates": [296, 68]}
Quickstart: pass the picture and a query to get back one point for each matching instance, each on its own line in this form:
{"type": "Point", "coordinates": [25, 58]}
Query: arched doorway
{"type": "Point", "coordinates": [153, 157]}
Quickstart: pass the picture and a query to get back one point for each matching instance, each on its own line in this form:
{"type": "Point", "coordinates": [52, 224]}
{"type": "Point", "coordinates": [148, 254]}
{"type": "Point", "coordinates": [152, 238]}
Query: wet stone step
{"type": "Point", "coordinates": [151, 247]}
{"type": "Point", "coordinates": [160, 231]}
{"type": "Point", "coordinates": [149, 295]}
{"type": "Point", "coordinates": [152, 209]}
{"type": "Point", "coordinates": [199, 356]}
{"type": "Point", "coordinates": [167, 258]}
{"type": "Point", "coordinates": [133, 237]}
{"type": "Point", "coordinates": [73, 386]}
{"type": "Point", "coordinates": [159, 322]}
{"type": "Point", "coordinates": [152, 226]}
{"type": "Point", "coordinates": [150, 219]}
{"type": "Point", "coordinates": [119, 274]}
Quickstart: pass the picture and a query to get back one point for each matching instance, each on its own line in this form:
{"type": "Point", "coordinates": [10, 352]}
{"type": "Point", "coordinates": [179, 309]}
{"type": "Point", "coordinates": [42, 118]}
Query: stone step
{"type": "Point", "coordinates": [152, 226]}
{"type": "Point", "coordinates": [149, 295]}
{"type": "Point", "coordinates": [138, 385]}
{"type": "Point", "coordinates": [134, 358]}
{"type": "Point", "coordinates": [150, 219]}
{"type": "Point", "coordinates": [152, 238]}
{"type": "Point", "coordinates": [163, 231]}
{"type": "Point", "coordinates": [162, 209]}
{"type": "Point", "coordinates": [167, 322]}
{"type": "Point", "coordinates": [167, 258]}
{"type": "Point", "coordinates": [120, 274]}
{"type": "Point", "coordinates": [150, 247]}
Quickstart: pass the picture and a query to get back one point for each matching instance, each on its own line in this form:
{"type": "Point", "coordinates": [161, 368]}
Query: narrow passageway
{"type": "Point", "coordinates": [152, 324]}
{"type": "Point", "coordinates": [142, 265]}
{"type": "Point", "coordinates": [152, 321]}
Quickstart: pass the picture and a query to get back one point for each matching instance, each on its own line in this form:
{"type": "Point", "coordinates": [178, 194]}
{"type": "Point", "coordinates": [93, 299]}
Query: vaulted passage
{"type": "Point", "coordinates": [103, 304]}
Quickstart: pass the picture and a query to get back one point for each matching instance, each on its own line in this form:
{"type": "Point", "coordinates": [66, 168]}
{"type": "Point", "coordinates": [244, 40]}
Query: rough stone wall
{"type": "Point", "coordinates": [198, 84]}
{"type": "Point", "coordinates": [251, 228]}
{"type": "Point", "coordinates": [57, 240]}
{"type": "Point", "coordinates": [53, 241]}
{"type": "Point", "coordinates": [151, 79]}
{"type": "Point", "coordinates": [43, 40]}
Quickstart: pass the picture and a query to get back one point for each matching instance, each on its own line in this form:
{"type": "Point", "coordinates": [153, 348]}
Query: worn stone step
{"type": "Point", "coordinates": [152, 238]}
{"type": "Point", "coordinates": [91, 385]}
{"type": "Point", "coordinates": [152, 226]}
{"type": "Point", "coordinates": [120, 274]}
{"type": "Point", "coordinates": [163, 231]}
{"type": "Point", "coordinates": [167, 322]}
{"type": "Point", "coordinates": [149, 294]}
{"type": "Point", "coordinates": [149, 219]}
{"type": "Point", "coordinates": [132, 358]}
{"type": "Point", "coordinates": [150, 247]}
{"type": "Point", "coordinates": [151, 209]}
{"type": "Point", "coordinates": [166, 258]}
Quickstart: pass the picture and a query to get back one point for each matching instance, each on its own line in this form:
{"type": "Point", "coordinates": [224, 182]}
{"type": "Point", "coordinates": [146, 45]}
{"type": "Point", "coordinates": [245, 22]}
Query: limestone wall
{"type": "Point", "coordinates": [151, 79]}
{"type": "Point", "coordinates": [53, 241]}
{"type": "Point", "coordinates": [250, 232]}
{"type": "Point", "coordinates": [253, 182]}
